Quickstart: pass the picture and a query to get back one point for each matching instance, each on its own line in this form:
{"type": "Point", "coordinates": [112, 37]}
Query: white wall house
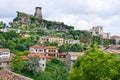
{"type": "Point", "coordinates": [41, 57]}
{"type": "Point", "coordinates": [36, 49]}
{"type": "Point", "coordinates": [117, 39]}
{"type": "Point", "coordinates": [58, 40]}
{"type": "Point", "coordinates": [9, 29]}
{"type": "Point", "coordinates": [4, 53]}
{"type": "Point", "coordinates": [5, 57]}
{"type": "Point", "coordinates": [72, 41]}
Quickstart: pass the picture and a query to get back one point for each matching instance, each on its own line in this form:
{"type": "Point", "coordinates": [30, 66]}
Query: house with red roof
{"type": "Point", "coordinates": [6, 74]}
{"type": "Point", "coordinates": [36, 49]}
{"type": "Point", "coordinates": [5, 57]}
{"type": "Point", "coordinates": [116, 38]}
{"type": "Point", "coordinates": [51, 51]}
{"type": "Point", "coordinates": [41, 57]}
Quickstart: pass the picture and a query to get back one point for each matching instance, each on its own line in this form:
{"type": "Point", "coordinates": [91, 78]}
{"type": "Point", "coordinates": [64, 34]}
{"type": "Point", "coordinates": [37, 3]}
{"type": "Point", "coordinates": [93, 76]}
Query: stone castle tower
{"type": "Point", "coordinates": [38, 12]}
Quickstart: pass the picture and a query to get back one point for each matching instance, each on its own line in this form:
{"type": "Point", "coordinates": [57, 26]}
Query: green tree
{"type": "Point", "coordinates": [76, 48]}
{"type": "Point", "coordinates": [51, 44]}
{"type": "Point", "coordinates": [2, 25]}
{"type": "Point", "coordinates": [10, 44]}
{"type": "Point", "coordinates": [106, 42]}
{"type": "Point", "coordinates": [33, 65]}
{"type": "Point", "coordinates": [64, 48]}
{"type": "Point", "coordinates": [20, 47]}
{"type": "Point", "coordinates": [17, 63]}
{"type": "Point", "coordinates": [96, 65]}
{"type": "Point", "coordinates": [85, 37]}
{"type": "Point", "coordinates": [98, 39]}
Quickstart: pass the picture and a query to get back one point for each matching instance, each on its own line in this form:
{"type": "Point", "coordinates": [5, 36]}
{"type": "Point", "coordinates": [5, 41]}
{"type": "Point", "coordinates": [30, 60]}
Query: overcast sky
{"type": "Point", "coordinates": [82, 14]}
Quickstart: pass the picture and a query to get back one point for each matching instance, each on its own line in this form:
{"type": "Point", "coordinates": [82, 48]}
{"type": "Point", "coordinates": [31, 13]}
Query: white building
{"type": "Point", "coordinates": [117, 39]}
{"type": "Point", "coordinates": [36, 49]}
{"type": "Point", "coordinates": [4, 53]}
{"type": "Point", "coordinates": [58, 40]}
{"type": "Point", "coordinates": [9, 29]}
{"type": "Point", "coordinates": [98, 31]}
{"type": "Point", "coordinates": [72, 56]}
{"type": "Point", "coordinates": [41, 57]}
{"type": "Point", "coordinates": [72, 41]}
{"type": "Point", "coordinates": [5, 58]}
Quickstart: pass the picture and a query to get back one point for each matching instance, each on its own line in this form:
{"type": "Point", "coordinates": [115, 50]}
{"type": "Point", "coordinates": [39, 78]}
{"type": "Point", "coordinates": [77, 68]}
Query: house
{"type": "Point", "coordinates": [42, 59]}
{"type": "Point", "coordinates": [36, 49]}
{"type": "Point", "coordinates": [111, 51]}
{"type": "Point", "coordinates": [51, 51]}
{"type": "Point", "coordinates": [6, 74]}
{"type": "Point", "coordinates": [98, 31]}
{"type": "Point", "coordinates": [116, 38]}
{"type": "Point", "coordinates": [58, 40]}
{"type": "Point", "coordinates": [4, 53]}
{"type": "Point", "coordinates": [5, 57]}
{"type": "Point", "coordinates": [25, 36]}
{"type": "Point", "coordinates": [9, 29]}
{"type": "Point", "coordinates": [72, 42]}
{"type": "Point", "coordinates": [62, 56]}
{"type": "Point", "coordinates": [71, 57]}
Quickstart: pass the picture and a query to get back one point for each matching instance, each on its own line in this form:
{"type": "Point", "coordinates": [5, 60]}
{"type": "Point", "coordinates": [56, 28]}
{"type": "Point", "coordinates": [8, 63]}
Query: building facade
{"type": "Point", "coordinates": [4, 53]}
{"type": "Point", "coordinates": [5, 58]}
{"type": "Point", "coordinates": [98, 31]}
{"type": "Point", "coordinates": [72, 41]}
{"type": "Point", "coordinates": [41, 57]}
{"type": "Point", "coordinates": [116, 38]}
{"type": "Point", "coordinates": [51, 51]}
{"type": "Point", "coordinates": [58, 40]}
{"type": "Point", "coordinates": [36, 49]}
{"type": "Point", "coordinates": [71, 57]}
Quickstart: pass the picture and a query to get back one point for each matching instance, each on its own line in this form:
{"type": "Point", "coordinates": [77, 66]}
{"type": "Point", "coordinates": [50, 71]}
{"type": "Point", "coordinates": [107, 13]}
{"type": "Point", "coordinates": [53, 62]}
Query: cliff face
{"type": "Point", "coordinates": [26, 20]}
{"type": "Point", "coordinates": [23, 19]}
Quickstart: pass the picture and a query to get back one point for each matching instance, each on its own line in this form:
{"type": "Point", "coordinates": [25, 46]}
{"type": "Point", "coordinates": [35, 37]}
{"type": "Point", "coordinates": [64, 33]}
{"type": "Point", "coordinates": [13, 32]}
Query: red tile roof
{"type": "Point", "coordinates": [4, 50]}
{"type": "Point", "coordinates": [115, 36]}
{"type": "Point", "coordinates": [35, 55]}
{"type": "Point", "coordinates": [25, 58]}
{"type": "Point", "coordinates": [51, 47]}
{"type": "Point", "coordinates": [9, 75]}
{"type": "Point", "coordinates": [62, 54]}
{"type": "Point", "coordinates": [37, 47]}
{"type": "Point", "coordinates": [76, 53]}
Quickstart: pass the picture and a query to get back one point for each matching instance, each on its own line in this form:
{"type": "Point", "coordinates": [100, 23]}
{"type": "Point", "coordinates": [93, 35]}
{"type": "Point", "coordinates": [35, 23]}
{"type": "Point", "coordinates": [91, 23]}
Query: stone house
{"type": "Point", "coordinates": [98, 31]}
{"type": "Point", "coordinates": [58, 40]}
{"type": "Point", "coordinates": [71, 57]}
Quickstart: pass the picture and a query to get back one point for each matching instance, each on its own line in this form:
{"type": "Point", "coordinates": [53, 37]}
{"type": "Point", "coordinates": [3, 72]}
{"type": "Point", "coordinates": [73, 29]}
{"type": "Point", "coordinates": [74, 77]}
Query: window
{"type": "Point", "coordinates": [96, 32]}
{"type": "Point", "coordinates": [42, 58]}
{"type": "Point", "coordinates": [43, 65]}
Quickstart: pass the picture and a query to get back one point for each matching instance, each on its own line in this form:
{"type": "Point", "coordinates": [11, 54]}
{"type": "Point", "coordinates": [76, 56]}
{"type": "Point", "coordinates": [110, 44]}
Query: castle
{"type": "Point", "coordinates": [38, 12]}
{"type": "Point", "coordinates": [98, 31]}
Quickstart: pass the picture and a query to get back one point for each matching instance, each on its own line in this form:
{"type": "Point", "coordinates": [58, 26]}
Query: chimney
{"type": "Point", "coordinates": [38, 12]}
